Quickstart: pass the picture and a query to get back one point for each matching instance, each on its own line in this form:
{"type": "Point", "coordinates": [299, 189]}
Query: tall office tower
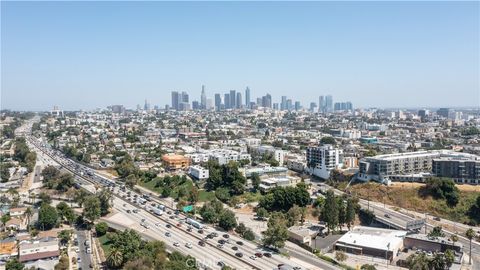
{"type": "Point", "coordinates": [321, 104]}
{"type": "Point", "coordinates": [444, 112]}
{"type": "Point", "coordinates": [195, 105]}
{"type": "Point", "coordinates": [218, 102]}
{"type": "Point", "coordinates": [297, 106]}
{"type": "Point", "coordinates": [349, 106]}
{"type": "Point", "coordinates": [185, 97]}
{"type": "Point", "coordinates": [313, 105]}
{"type": "Point", "coordinates": [146, 106]}
{"type": "Point", "coordinates": [175, 100]}
{"type": "Point", "coordinates": [239, 100]}
{"type": "Point", "coordinates": [267, 101]}
{"type": "Point", "coordinates": [289, 105]}
{"type": "Point", "coordinates": [247, 98]}
{"type": "Point", "coordinates": [275, 106]}
{"type": "Point", "coordinates": [203, 99]}
{"type": "Point", "coordinates": [226, 100]}
{"type": "Point", "coordinates": [283, 104]}
{"type": "Point", "coordinates": [233, 95]}
{"type": "Point", "coordinates": [329, 103]}
{"type": "Point", "coordinates": [259, 101]}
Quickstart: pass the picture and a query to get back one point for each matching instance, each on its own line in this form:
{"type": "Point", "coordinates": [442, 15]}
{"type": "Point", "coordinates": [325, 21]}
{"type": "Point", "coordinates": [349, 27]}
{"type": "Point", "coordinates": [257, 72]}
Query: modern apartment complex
{"type": "Point", "coordinates": [414, 166]}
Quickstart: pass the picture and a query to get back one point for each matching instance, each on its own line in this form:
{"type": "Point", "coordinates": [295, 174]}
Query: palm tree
{"type": "Point", "coordinates": [470, 234]}
{"type": "Point", "coordinates": [115, 258]}
{"type": "Point", "coordinates": [454, 238]}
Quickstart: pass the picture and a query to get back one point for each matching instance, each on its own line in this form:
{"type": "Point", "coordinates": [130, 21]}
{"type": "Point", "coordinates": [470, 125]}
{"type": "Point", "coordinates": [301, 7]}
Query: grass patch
{"type": "Point", "coordinates": [249, 197]}
{"type": "Point", "coordinates": [408, 197]}
{"type": "Point", "coordinates": [106, 245]}
{"type": "Point", "coordinates": [206, 196]}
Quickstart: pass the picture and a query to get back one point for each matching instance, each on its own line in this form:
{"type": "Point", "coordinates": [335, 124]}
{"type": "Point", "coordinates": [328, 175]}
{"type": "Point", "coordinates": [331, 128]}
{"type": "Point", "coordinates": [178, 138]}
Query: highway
{"type": "Point", "coordinates": [210, 255]}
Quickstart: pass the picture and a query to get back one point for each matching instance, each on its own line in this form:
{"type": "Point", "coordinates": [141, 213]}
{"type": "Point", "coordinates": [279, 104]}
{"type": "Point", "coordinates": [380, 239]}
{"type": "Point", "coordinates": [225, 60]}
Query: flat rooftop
{"type": "Point", "coordinates": [375, 238]}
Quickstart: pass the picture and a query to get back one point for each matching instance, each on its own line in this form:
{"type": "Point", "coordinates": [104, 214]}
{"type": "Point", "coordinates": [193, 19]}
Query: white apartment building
{"type": "Point", "coordinates": [321, 160]}
{"type": "Point", "coordinates": [278, 154]}
{"type": "Point", "coordinates": [47, 248]}
{"type": "Point", "coordinates": [222, 156]}
{"type": "Point", "coordinates": [198, 172]}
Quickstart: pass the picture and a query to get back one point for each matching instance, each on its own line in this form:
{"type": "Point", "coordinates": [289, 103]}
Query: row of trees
{"type": "Point", "coordinates": [284, 198]}
{"type": "Point", "coordinates": [438, 261]}
{"type": "Point", "coordinates": [336, 211]}
{"type": "Point", "coordinates": [23, 154]}
{"type": "Point", "coordinates": [54, 179]}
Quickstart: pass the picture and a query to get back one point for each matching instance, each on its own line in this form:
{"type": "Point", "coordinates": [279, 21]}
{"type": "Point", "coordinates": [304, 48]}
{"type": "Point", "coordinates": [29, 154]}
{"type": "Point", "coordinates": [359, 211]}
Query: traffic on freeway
{"type": "Point", "coordinates": [211, 247]}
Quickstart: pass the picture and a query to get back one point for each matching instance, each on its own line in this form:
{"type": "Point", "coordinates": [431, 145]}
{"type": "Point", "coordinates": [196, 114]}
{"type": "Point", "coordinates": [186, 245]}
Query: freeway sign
{"type": "Point", "coordinates": [415, 224]}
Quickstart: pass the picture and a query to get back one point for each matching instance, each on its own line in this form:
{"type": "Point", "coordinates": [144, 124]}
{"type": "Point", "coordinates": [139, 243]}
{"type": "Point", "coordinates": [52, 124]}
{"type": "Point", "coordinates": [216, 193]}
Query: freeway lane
{"type": "Point", "coordinates": [248, 249]}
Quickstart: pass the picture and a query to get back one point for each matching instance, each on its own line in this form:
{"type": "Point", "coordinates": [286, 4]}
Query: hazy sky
{"type": "Point", "coordinates": [84, 55]}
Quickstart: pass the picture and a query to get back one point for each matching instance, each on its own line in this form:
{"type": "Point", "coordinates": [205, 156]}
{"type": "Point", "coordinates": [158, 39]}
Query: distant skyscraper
{"type": "Point", "coordinates": [203, 98]}
{"type": "Point", "coordinates": [321, 104]}
{"type": "Point", "coordinates": [195, 105]}
{"type": "Point", "coordinates": [226, 100]}
{"type": "Point", "coordinates": [259, 101]}
{"type": "Point", "coordinates": [267, 101]}
{"type": "Point", "coordinates": [218, 102]}
{"type": "Point", "coordinates": [146, 106]}
{"type": "Point", "coordinates": [175, 100]}
{"type": "Point", "coordinates": [283, 104]}
{"type": "Point", "coordinates": [313, 106]}
{"type": "Point", "coordinates": [297, 106]}
{"type": "Point", "coordinates": [185, 97]}
{"type": "Point", "coordinates": [239, 100]}
{"type": "Point", "coordinates": [289, 105]}
{"type": "Point", "coordinates": [233, 95]}
{"type": "Point", "coordinates": [329, 103]}
{"type": "Point", "coordinates": [275, 106]}
{"type": "Point", "coordinates": [247, 98]}
{"type": "Point", "coordinates": [444, 112]}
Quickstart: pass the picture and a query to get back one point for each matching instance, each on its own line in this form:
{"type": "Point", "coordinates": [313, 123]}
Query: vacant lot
{"type": "Point", "coordinates": [405, 195]}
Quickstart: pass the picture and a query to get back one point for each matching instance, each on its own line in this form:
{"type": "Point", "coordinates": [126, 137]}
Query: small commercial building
{"type": "Point", "coordinates": [175, 162]}
{"type": "Point", "coordinates": [32, 251]}
{"type": "Point", "coordinates": [376, 242]}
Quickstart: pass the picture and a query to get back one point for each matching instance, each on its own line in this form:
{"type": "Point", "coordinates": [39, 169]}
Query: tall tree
{"type": "Point", "coordinates": [115, 258]}
{"type": "Point", "coordinates": [470, 234]}
{"type": "Point", "coordinates": [91, 209]}
{"type": "Point", "coordinates": [330, 211]}
{"type": "Point", "coordinates": [277, 232]}
{"type": "Point", "coordinates": [350, 213]}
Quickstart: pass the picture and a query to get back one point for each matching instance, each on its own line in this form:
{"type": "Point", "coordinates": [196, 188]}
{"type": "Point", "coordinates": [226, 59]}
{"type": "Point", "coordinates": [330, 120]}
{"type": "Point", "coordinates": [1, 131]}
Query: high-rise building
{"type": "Point", "coordinates": [239, 100]}
{"type": "Point", "coordinates": [117, 109]}
{"type": "Point", "coordinates": [313, 106]}
{"type": "Point", "coordinates": [185, 97]}
{"type": "Point", "coordinates": [289, 105]}
{"type": "Point", "coordinates": [275, 106]}
{"type": "Point", "coordinates": [247, 98]}
{"type": "Point", "coordinates": [323, 159]}
{"type": "Point", "coordinates": [259, 101]}
{"type": "Point", "coordinates": [195, 105]}
{"type": "Point", "coordinates": [297, 106]}
{"type": "Point", "coordinates": [233, 95]}
{"type": "Point", "coordinates": [146, 106]}
{"type": "Point", "coordinates": [329, 103]}
{"type": "Point", "coordinates": [444, 112]}
{"type": "Point", "coordinates": [203, 98]}
{"type": "Point", "coordinates": [321, 104]}
{"type": "Point", "coordinates": [218, 102]}
{"type": "Point", "coordinates": [267, 101]}
{"type": "Point", "coordinates": [226, 100]}
{"type": "Point", "coordinates": [176, 99]}
{"type": "Point", "coordinates": [283, 104]}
